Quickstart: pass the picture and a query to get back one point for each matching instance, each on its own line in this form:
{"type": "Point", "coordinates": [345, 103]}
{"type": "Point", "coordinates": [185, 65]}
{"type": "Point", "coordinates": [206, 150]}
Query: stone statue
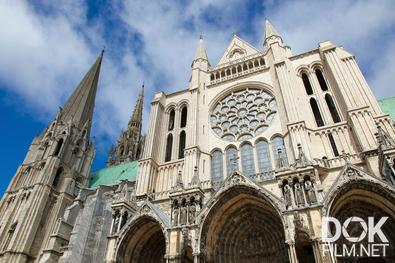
{"type": "Point", "coordinates": [116, 223]}
{"type": "Point", "coordinates": [287, 195]}
{"type": "Point", "coordinates": [298, 194]}
{"type": "Point", "coordinates": [183, 215]}
{"type": "Point", "coordinates": [176, 212]}
{"type": "Point", "coordinates": [192, 213]}
{"type": "Point", "coordinates": [310, 192]}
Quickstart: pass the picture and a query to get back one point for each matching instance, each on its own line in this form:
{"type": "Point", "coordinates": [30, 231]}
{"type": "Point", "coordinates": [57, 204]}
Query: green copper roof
{"type": "Point", "coordinates": [114, 174]}
{"type": "Point", "coordinates": [388, 106]}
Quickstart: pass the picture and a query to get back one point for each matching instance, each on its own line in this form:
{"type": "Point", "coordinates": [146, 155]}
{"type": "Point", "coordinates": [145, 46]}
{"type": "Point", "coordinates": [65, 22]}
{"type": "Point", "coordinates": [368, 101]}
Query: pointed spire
{"type": "Point", "coordinates": [201, 51]}
{"type": "Point", "coordinates": [79, 107]}
{"type": "Point", "coordinates": [137, 114]}
{"type": "Point", "coordinates": [270, 30]}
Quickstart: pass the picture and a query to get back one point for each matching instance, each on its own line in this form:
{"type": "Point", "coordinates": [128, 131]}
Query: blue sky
{"type": "Point", "coordinates": [47, 46]}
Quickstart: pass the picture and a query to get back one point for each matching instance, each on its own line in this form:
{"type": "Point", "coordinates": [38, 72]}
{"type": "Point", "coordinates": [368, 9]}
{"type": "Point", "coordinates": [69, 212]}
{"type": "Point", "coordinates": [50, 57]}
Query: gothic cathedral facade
{"type": "Point", "coordinates": [239, 167]}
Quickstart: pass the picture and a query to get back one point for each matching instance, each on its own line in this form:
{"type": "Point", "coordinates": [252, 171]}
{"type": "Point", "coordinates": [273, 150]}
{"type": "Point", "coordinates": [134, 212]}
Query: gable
{"type": "Point", "coordinates": [237, 49]}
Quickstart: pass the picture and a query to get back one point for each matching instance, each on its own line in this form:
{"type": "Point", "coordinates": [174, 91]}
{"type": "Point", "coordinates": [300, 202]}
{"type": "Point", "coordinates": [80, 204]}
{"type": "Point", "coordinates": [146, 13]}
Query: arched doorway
{"type": "Point", "coordinates": [144, 242]}
{"type": "Point", "coordinates": [364, 199]}
{"type": "Point", "coordinates": [243, 227]}
{"type": "Point", "coordinates": [304, 248]}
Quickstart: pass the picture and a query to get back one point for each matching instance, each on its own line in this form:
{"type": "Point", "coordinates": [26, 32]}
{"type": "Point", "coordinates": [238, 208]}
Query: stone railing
{"type": "Point", "coordinates": [235, 70]}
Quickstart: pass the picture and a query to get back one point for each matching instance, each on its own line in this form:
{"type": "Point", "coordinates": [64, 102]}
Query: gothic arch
{"type": "Point", "coordinates": [234, 224]}
{"type": "Point", "coordinates": [142, 240]}
{"type": "Point", "coordinates": [357, 194]}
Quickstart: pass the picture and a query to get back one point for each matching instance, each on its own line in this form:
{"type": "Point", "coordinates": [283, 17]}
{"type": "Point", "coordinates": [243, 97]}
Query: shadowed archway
{"type": "Point", "coordinates": [243, 227]}
{"type": "Point", "coordinates": [364, 199]}
{"type": "Point", "coordinates": [144, 242]}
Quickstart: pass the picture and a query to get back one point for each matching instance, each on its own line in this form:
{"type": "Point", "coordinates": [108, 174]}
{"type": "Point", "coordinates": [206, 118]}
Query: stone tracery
{"type": "Point", "coordinates": [243, 114]}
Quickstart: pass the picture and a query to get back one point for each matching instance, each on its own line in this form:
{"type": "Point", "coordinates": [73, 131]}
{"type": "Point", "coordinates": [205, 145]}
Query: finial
{"type": "Point", "coordinates": [201, 35]}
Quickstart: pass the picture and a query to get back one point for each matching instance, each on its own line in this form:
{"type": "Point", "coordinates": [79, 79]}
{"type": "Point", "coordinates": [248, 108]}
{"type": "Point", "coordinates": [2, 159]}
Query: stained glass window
{"type": "Point", "coordinates": [247, 159]}
{"type": "Point", "coordinates": [243, 114]}
{"type": "Point", "coordinates": [262, 148]}
{"type": "Point", "coordinates": [231, 160]}
{"type": "Point", "coordinates": [216, 166]}
{"type": "Point", "coordinates": [278, 144]}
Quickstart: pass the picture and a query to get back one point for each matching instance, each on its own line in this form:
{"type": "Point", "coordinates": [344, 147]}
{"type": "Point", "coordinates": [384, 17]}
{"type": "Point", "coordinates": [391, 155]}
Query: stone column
{"type": "Point", "coordinates": [317, 251]}
{"type": "Point", "coordinates": [292, 252]}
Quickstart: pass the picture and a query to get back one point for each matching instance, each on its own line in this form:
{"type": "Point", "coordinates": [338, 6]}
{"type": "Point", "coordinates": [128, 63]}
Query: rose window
{"type": "Point", "coordinates": [243, 114]}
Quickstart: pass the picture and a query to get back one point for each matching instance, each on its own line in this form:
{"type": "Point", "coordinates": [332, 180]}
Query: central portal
{"type": "Point", "coordinates": [243, 228]}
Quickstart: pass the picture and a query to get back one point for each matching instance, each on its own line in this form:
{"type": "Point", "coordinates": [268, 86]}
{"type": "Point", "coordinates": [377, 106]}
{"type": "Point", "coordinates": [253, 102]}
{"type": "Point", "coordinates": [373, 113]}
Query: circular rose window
{"type": "Point", "coordinates": [243, 114]}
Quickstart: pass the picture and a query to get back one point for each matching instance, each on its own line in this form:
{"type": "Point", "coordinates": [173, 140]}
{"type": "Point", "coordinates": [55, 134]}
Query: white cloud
{"type": "Point", "coordinates": [46, 49]}
{"type": "Point", "coordinates": [365, 28]}
{"type": "Point", "coordinates": [40, 56]}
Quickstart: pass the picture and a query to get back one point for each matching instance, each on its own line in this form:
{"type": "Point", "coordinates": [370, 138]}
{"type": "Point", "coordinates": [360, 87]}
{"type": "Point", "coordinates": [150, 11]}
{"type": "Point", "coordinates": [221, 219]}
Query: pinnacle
{"type": "Point", "coordinates": [270, 30]}
{"type": "Point", "coordinates": [201, 51]}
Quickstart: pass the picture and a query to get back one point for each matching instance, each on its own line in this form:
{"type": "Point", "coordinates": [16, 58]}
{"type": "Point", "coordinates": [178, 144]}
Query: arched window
{"type": "Point", "coordinates": [57, 177]}
{"type": "Point", "coordinates": [181, 147]}
{"type": "Point", "coordinates": [217, 173]}
{"type": "Point", "coordinates": [169, 147]}
{"type": "Point", "coordinates": [332, 108]}
{"type": "Point", "coordinates": [232, 162]}
{"type": "Point", "coordinates": [278, 145]}
{"type": "Point", "coordinates": [262, 148]}
{"type": "Point", "coordinates": [321, 80]}
{"type": "Point", "coordinates": [171, 119]}
{"type": "Point", "coordinates": [11, 232]}
{"type": "Point", "coordinates": [184, 116]}
{"type": "Point", "coordinates": [333, 144]}
{"type": "Point", "coordinates": [307, 85]}
{"type": "Point", "coordinates": [316, 112]}
{"type": "Point", "coordinates": [58, 147]}
{"type": "Point", "coordinates": [247, 159]}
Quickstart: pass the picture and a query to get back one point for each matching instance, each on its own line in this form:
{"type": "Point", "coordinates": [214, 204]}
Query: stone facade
{"type": "Point", "coordinates": [239, 167]}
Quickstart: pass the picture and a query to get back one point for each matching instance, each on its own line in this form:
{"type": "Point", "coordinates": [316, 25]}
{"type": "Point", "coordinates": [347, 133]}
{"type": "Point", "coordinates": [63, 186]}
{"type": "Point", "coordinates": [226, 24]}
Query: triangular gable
{"type": "Point", "coordinates": [351, 172]}
{"type": "Point", "coordinates": [149, 208]}
{"type": "Point", "coordinates": [237, 48]}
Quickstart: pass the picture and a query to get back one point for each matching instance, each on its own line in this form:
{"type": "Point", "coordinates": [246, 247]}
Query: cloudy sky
{"type": "Point", "coordinates": [47, 46]}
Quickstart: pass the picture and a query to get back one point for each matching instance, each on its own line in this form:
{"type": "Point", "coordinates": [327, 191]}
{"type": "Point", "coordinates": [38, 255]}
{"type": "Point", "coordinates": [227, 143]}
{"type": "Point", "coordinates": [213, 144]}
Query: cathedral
{"type": "Point", "coordinates": [241, 166]}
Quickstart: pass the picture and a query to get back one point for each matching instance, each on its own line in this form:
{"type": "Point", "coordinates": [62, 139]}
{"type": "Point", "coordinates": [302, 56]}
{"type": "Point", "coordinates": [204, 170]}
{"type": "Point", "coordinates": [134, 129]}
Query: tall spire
{"type": "Point", "coordinates": [201, 51]}
{"type": "Point", "coordinates": [79, 107]}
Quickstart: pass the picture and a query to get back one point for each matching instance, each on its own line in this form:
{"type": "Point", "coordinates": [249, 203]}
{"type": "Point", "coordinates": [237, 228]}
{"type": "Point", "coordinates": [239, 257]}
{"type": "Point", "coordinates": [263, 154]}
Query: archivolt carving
{"type": "Point", "coordinates": [353, 177]}
{"type": "Point", "coordinates": [235, 223]}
